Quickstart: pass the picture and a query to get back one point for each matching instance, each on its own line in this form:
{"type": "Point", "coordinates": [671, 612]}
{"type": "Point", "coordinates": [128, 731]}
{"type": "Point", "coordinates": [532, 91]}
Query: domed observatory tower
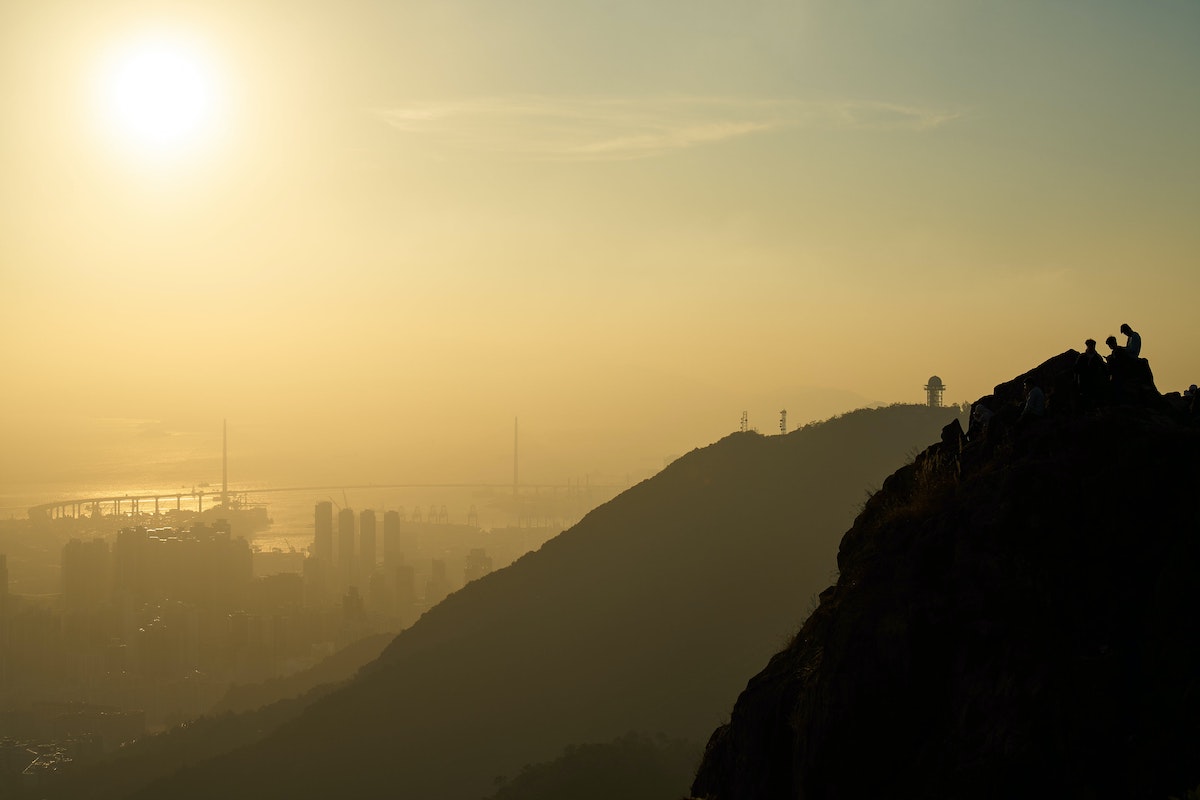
{"type": "Point", "coordinates": [934, 390]}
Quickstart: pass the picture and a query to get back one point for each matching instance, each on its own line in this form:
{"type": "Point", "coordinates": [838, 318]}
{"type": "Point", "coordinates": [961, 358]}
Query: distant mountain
{"type": "Point", "coordinates": [647, 615]}
{"type": "Point", "coordinates": [1016, 616]}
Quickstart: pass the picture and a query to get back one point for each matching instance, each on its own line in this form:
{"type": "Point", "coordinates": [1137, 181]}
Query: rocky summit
{"type": "Point", "coordinates": [1016, 615]}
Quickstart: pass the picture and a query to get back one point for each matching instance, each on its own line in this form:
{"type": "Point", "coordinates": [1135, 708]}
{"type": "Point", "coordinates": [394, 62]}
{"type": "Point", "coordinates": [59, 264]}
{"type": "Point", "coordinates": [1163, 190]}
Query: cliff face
{"type": "Point", "coordinates": [1015, 616]}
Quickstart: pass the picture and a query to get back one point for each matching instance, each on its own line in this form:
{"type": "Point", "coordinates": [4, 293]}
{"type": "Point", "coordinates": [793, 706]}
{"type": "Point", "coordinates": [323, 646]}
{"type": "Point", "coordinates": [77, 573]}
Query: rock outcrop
{"type": "Point", "coordinates": [1016, 615]}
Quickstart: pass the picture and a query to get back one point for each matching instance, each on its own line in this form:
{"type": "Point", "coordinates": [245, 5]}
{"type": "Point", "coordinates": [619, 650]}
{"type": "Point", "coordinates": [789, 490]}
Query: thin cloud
{"type": "Point", "coordinates": [890, 116]}
{"type": "Point", "coordinates": [606, 129]}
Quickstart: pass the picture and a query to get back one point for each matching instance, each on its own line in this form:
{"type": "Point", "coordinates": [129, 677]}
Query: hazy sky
{"type": "Point", "coordinates": [395, 226]}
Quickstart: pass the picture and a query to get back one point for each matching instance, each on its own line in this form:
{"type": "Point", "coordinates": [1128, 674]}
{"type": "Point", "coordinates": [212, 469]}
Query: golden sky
{"type": "Point", "coordinates": [386, 229]}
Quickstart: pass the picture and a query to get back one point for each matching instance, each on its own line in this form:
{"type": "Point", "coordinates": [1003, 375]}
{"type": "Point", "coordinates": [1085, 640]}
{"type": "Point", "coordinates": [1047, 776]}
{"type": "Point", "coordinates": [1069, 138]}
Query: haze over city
{"type": "Point", "coordinates": [372, 234]}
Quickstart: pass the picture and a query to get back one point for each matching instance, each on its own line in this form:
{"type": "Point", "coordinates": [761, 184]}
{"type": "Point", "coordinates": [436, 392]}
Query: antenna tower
{"type": "Point", "coordinates": [225, 463]}
{"type": "Point", "coordinates": [783, 421]}
{"type": "Point", "coordinates": [745, 422]}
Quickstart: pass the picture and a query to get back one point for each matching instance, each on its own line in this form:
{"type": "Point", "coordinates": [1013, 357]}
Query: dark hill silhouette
{"type": "Point", "coordinates": [1015, 616]}
{"type": "Point", "coordinates": [633, 767]}
{"type": "Point", "coordinates": [647, 615]}
{"type": "Point", "coordinates": [335, 668]}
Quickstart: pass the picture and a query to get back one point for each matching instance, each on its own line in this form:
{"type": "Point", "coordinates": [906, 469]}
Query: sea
{"type": "Point", "coordinates": [291, 509]}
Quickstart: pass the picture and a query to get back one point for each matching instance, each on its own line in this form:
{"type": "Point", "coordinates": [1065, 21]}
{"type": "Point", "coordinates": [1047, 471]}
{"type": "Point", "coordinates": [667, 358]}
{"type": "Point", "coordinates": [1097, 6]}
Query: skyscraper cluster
{"type": "Point", "coordinates": [350, 562]}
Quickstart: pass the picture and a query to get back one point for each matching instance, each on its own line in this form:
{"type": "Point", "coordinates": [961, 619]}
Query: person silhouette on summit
{"type": "Point", "coordinates": [1091, 375]}
{"type": "Point", "coordinates": [1132, 379]}
{"type": "Point", "coordinates": [1133, 341]}
{"type": "Point", "coordinates": [981, 415]}
{"type": "Point", "coordinates": [1118, 361]}
{"type": "Point", "coordinates": [1035, 403]}
{"type": "Point", "coordinates": [1117, 353]}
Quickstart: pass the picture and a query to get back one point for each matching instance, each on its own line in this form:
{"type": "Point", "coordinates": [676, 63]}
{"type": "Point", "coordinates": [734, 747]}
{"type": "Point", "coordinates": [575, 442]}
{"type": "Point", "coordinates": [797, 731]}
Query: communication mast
{"type": "Point", "coordinates": [225, 463]}
{"type": "Point", "coordinates": [934, 391]}
{"type": "Point", "coordinates": [783, 421]}
{"type": "Point", "coordinates": [745, 422]}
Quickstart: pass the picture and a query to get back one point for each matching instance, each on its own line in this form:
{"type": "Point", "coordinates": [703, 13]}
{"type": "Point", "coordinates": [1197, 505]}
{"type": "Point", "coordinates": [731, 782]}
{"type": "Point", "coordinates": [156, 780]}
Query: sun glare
{"type": "Point", "coordinates": [159, 96]}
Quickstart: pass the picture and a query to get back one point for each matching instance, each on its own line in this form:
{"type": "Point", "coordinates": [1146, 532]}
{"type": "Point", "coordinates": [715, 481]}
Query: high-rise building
{"type": "Point", "coordinates": [86, 575]}
{"type": "Point", "coordinates": [4, 612]}
{"type": "Point", "coordinates": [320, 583]}
{"type": "Point", "coordinates": [438, 585]}
{"type": "Point", "coordinates": [345, 546]}
{"type": "Point", "coordinates": [130, 578]}
{"type": "Point", "coordinates": [392, 557]}
{"type": "Point", "coordinates": [478, 564]}
{"type": "Point", "coordinates": [406, 593]}
{"type": "Point", "coordinates": [366, 544]}
{"type": "Point", "coordinates": [323, 535]}
{"type": "Point", "coordinates": [202, 566]}
{"type": "Point", "coordinates": [3, 585]}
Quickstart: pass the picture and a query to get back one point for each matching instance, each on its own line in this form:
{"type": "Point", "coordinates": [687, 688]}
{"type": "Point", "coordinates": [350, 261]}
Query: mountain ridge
{"type": "Point", "coordinates": [1014, 616]}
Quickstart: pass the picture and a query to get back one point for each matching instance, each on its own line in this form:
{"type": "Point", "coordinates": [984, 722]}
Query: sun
{"type": "Point", "coordinates": [160, 95]}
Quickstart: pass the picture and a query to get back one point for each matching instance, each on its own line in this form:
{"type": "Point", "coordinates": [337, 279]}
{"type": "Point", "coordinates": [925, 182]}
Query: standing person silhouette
{"type": "Point", "coordinates": [1091, 376]}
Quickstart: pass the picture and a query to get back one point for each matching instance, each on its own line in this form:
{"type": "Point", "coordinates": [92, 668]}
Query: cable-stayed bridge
{"type": "Point", "coordinates": [193, 499]}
